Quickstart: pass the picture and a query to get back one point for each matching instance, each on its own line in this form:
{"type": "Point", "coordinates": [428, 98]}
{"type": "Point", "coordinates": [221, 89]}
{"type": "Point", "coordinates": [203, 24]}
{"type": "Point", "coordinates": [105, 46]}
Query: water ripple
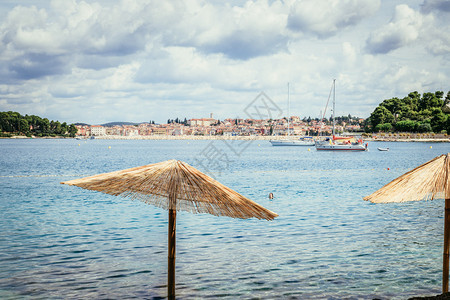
{"type": "Point", "coordinates": [60, 242]}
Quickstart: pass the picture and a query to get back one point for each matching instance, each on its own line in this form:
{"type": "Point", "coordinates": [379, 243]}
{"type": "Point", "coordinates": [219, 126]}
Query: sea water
{"type": "Point", "coordinates": [60, 242]}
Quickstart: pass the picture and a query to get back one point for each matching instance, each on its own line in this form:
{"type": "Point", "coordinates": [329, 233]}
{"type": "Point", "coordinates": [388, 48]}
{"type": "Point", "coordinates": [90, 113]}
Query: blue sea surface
{"type": "Point", "coordinates": [63, 242]}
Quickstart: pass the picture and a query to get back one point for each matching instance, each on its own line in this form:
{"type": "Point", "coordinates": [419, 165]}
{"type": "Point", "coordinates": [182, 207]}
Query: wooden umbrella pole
{"type": "Point", "coordinates": [445, 259]}
{"type": "Point", "coordinates": [171, 257]}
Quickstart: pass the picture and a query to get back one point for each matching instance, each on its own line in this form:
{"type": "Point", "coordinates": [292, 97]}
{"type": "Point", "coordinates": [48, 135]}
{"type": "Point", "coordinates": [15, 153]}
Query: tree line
{"type": "Point", "coordinates": [340, 120]}
{"type": "Point", "coordinates": [176, 121]}
{"type": "Point", "coordinates": [413, 113]}
{"type": "Point", "coordinates": [14, 123]}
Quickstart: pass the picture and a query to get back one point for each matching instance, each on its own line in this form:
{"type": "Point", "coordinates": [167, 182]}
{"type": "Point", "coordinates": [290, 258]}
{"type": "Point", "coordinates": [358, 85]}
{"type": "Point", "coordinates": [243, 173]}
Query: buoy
{"type": "Point", "coordinates": [259, 145]}
{"type": "Point", "coordinates": [78, 144]}
{"type": "Point", "coordinates": [388, 169]}
{"type": "Point", "coordinates": [109, 147]}
{"type": "Point", "coordinates": [309, 149]}
{"type": "Point", "coordinates": [431, 147]}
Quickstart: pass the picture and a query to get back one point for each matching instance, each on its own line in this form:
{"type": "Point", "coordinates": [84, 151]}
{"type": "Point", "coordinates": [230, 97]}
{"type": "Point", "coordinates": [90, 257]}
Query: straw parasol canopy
{"type": "Point", "coordinates": [428, 181]}
{"type": "Point", "coordinates": [175, 186]}
{"type": "Point", "coordinates": [189, 190]}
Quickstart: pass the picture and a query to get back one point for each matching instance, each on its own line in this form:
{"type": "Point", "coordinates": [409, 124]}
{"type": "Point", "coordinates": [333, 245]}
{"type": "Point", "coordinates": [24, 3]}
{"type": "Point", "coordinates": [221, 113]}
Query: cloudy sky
{"type": "Point", "coordinates": [140, 60]}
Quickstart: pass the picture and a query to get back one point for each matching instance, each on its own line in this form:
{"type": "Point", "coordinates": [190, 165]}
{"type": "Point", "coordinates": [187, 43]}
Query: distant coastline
{"type": "Point", "coordinates": [426, 139]}
{"type": "Point", "coordinates": [261, 138]}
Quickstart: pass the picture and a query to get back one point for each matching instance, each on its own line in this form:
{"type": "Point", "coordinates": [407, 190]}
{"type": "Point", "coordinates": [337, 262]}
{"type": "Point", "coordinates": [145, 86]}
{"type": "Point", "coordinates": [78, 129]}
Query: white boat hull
{"type": "Point", "coordinates": [340, 147]}
{"type": "Point", "coordinates": [292, 143]}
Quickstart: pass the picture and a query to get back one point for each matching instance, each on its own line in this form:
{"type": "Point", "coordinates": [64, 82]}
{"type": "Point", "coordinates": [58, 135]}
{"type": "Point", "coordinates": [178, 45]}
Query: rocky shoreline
{"type": "Point", "coordinates": [444, 296]}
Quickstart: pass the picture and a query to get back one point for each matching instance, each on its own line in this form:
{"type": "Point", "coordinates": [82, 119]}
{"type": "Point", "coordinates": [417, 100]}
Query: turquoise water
{"type": "Point", "coordinates": [59, 242]}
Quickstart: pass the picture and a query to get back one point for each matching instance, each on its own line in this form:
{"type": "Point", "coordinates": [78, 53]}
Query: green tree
{"type": "Point", "coordinates": [381, 115]}
{"type": "Point", "coordinates": [423, 127]}
{"type": "Point", "coordinates": [44, 126]}
{"type": "Point", "coordinates": [24, 127]}
{"type": "Point", "coordinates": [406, 113]}
{"type": "Point", "coordinates": [64, 128]}
{"type": "Point", "coordinates": [425, 111]}
{"type": "Point", "coordinates": [394, 105]}
{"type": "Point", "coordinates": [55, 127]}
{"type": "Point", "coordinates": [447, 125]}
{"type": "Point", "coordinates": [406, 126]}
{"type": "Point", "coordinates": [424, 115]}
{"type": "Point", "coordinates": [14, 122]}
{"type": "Point", "coordinates": [431, 100]}
{"type": "Point", "coordinates": [72, 130]}
{"type": "Point", "coordinates": [386, 127]}
{"type": "Point", "coordinates": [4, 122]}
{"type": "Point", "coordinates": [413, 100]}
{"type": "Point", "coordinates": [438, 121]}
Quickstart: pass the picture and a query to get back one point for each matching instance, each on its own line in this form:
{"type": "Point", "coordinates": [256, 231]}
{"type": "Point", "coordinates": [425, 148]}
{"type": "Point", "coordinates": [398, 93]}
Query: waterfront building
{"type": "Point", "coordinates": [98, 130]}
{"type": "Point", "coordinates": [159, 131]}
{"type": "Point", "coordinates": [201, 122]}
{"type": "Point", "coordinates": [83, 130]}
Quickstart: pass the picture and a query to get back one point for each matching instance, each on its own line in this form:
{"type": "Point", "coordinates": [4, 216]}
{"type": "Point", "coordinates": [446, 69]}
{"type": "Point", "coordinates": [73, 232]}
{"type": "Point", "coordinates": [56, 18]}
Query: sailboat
{"type": "Point", "coordinates": [303, 141]}
{"type": "Point", "coordinates": [339, 143]}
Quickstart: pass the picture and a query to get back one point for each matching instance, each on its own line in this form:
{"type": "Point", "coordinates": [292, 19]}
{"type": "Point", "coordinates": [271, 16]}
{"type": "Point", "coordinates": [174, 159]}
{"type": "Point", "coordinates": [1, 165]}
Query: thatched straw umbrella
{"type": "Point", "coordinates": [426, 182]}
{"type": "Point", "coordinates": [175, 185]}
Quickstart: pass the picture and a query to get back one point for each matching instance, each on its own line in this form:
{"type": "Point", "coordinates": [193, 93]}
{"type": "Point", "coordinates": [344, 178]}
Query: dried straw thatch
{"type": "Point", "coordinates": [175, 185]}
{"type": "Point", "coordinates": [426, 182]}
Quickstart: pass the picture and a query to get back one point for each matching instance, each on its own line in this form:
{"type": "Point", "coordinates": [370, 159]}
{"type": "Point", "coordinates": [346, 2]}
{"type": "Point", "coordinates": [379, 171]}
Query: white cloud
{"type": "Point", "coordinates": [436, 5]}
{"type": "Point", "coordinates": [440, 42]}
{"type": "Point", "coordinates": [72, 28]}
{"type": "Point", "coordinates": [136, 60]}
{"type": "Point", "coordinates": [411, 28]}
{"type": "Point", "coordinates": [349, 53]}
{"type": "Point", "coordinates": [326, 18]}
{"type": "Point", "coordinates": [256, 29]}
{"type": "Point", "coordinates": [438, 39]}
{"type": "Point", "coordinates": [404, 28]}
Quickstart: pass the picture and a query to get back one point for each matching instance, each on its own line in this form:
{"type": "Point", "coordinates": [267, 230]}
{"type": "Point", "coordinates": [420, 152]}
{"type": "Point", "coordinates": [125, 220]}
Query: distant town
{"type": "Point", "coordinates": [228, 127]}
{"type": "Point", "coordinates": [412, 116]}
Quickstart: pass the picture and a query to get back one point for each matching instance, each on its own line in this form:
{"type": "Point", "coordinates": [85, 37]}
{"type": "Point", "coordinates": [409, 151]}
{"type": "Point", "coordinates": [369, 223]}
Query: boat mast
{"type": "Point", "coordinates": [289, 111]}
{"type": "Point", "coordinates": [334, 103]}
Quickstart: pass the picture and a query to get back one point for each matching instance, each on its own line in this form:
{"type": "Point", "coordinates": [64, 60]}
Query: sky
{"type": "Point", "coordinates": [140, 60]}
